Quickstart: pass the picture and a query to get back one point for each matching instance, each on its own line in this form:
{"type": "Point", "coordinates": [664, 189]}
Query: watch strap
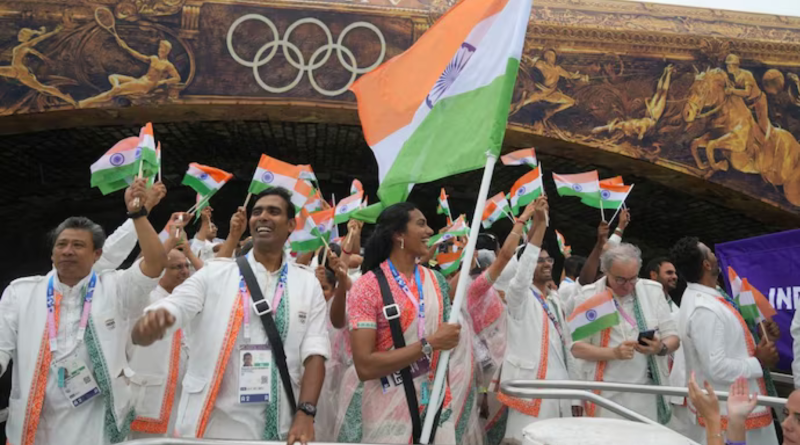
{"type": "Point", "coordinates": [142, 212]}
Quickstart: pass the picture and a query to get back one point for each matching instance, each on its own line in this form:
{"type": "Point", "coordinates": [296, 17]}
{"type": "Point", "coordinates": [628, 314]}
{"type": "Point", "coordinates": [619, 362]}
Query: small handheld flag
{"type": "Point", "coordinates": [496, 208]}
{"type": "Point", "coordinates": [526, 189]}
{"type": "Point", "coordinates": [525, 156]}
{"type": "Point", "coordinates": [593, 315]}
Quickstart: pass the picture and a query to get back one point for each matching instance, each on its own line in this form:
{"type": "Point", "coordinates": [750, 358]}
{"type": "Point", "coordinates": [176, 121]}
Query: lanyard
{"type": "Point", "coordinates": [52, 328]}
{"type": "Point", "coordinates": [244, 294]}
{"type": "Point", "coordinates": [625, 315]}
{"type": "Point", "coordinates": [419, 305]}
{"type": "Point", "coordinates": [549, 313]}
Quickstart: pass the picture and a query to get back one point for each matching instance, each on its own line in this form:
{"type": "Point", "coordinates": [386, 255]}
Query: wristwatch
{"type": "Point", "coordinates": [427, 349]}
{"type": "Point", "coordinates": [664, 350]}
{"type": "Point", "coordinates": [307, 408]}
{"type": "Point", "coordinates": [138, 214]}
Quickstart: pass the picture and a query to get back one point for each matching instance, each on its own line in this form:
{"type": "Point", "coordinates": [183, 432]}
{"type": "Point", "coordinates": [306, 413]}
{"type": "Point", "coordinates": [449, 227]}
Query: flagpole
{"type": "Point", "coordinates": [541, 177]}
{"type": "Point", "coordinates": [602, 212]}
{"type": "Point", "coordinates": [247, 200]}
{"type": "Point", "coordinates": [455, 311]}
{"type": "Point", "coordinates": [514, 220]}
{"type": "Point", "coordinates": [141, 163]}
{"type": "Point", "coordinates": [205, 199]}
{"type": "Point", "coordinates": [622, 205]}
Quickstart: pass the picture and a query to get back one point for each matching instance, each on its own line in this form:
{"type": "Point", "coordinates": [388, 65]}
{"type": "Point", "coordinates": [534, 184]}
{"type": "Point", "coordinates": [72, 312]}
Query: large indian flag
{"type": "Point", "coordinates": [580, 185]}
{"type": "Point", "coordinates": [612, 196]}
{"type": "Point", "coordinates": [436, 109]}
{"type": "Point", "coordinates": [205, 180]}
{"type": "Point", "coordinates": [526, 189]}
{"type": "Point", "coordinates": [593, 315]}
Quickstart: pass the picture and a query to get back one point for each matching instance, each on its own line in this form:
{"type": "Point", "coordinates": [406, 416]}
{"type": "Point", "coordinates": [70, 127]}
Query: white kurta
{"type": "Point", "coordinates": [634, 371]}
{"type": "Point", "coordinates": [118, 247]}
{"type": "Point", "coordinates": [151, 366]}
{"type": "Point", "coordinates": [525, 347]}
{"type": "Point", "coordinates": [60, 423]}
{"type": "Point", "coordinates": [715, 350]}
{"type": "Point", "coordinates": [203, 302]}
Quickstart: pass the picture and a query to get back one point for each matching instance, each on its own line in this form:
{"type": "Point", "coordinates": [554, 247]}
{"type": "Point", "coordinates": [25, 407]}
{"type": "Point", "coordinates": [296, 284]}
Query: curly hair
{"type": "Point", "coordinates": [687, 257]}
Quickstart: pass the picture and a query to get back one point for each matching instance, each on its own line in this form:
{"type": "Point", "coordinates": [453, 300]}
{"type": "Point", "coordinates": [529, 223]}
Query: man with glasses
{"type": "Point", "coordinates": [718, 345]}
{"type": "Point", "coordinates": [538, 339]}
{"type": "Point", "coordinates": [619, 353]}
{"type": "Point", "coordinates": [791, 425]}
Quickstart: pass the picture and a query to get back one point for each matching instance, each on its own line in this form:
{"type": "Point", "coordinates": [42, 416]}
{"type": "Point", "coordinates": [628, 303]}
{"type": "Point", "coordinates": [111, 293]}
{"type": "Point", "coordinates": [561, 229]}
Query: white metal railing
{"type": "Point", "coordinates": [178, 441]}
{"type": "Point", "coordinates": [526, 389]}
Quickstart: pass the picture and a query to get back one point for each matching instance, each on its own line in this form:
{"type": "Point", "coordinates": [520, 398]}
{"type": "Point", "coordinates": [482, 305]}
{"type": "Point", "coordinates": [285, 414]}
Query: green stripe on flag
{"type": "Point", "coordinates": [604, 322]}
{"type": "Point", "coordinates": [198, 185]}
{"type": "Point", "coordinates": [306, 245]}
{"type": "Point", "coordinates": [453, 138]}
{"type": "Point", "coordinates": [594, 201]}
{"type": "Point", "coordinates": [452, 268]}
{"type": "Point", "coordinates": [526, 199]}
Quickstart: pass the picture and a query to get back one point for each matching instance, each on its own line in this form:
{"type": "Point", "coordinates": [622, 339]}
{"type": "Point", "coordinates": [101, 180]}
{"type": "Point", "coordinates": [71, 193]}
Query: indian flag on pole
{"type": "Point", "coordinates": [305, 237]}
{"type": "Point", "coordinates": [593, 315]}
{"type": "Point", "coordinates": [612, 196]}
{"type": "Point", "coordinates": [314, 202]}
{"type": "Point", "coordinates": [435, 110]}
{"type": "Point", "coordinates": [449, 262]}
{"type": "Point", "coordinates": [562, 243]}
{"type": "Point", "coordinates": [444, 207]}
{"type": "Point", "coordinates": [526, 156]}
{"type": "Point", "coordinates": [200, 203]}
{"type": "Point", "coordinates": [580, 185]}
{"type": "Point", "coordinates": [205, 180]}
{"type": "Point", "coordinates": [323, 220]}
{"type": "Point", "coordinates": [459, 228]}
{"type": "Point", "coordinates": [347, 207]}
{"type": "Point", "coordinates": [616, 180]}
{"type": "Point", "coordinates": [356, 187]}
{"type": "Point", "coordinates": [526, 189]}
{"type": "Point", "coordinates": [753, 305]}
{"type": "Point", "coordinates": [307, 173]}
{"type": "Point", "coordinates": [496, 208]}
{"type": "Point", "coordinates": [274, 173]}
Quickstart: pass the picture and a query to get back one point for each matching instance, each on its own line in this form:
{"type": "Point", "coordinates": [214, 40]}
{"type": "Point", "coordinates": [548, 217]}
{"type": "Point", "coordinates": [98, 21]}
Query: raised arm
{"type": "Point", "coordinates": [509, 247]}
{"type": "Point", "coordinates": [592, 265]}
{"type": "Point", "coordinates": [352, 244]}
{"type": "Point", "coordinates": [154, 257]}
{"type": "Point", "coordinates": [517, 293]}
{"type": "Point", "coordinates": [338, 313]}
{"type": "Point", "coordinates": [136, 54]}
{"type": "Point", "coordinates": [237, 229]}
{"type": "Point", "coordinates": [45, 35]}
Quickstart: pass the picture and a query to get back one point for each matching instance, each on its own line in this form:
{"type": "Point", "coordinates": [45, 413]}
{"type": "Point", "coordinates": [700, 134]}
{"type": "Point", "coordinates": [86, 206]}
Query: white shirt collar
{"type": "Point", "coordinates": [258, 267]}
{"type": "Point", "coordinates": [704, 289]}
{"type": "Point", "coordinates": [65, 290]}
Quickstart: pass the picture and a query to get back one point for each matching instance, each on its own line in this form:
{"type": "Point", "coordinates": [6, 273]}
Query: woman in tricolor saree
{"type": "Point", "coordinates": [422, 305]}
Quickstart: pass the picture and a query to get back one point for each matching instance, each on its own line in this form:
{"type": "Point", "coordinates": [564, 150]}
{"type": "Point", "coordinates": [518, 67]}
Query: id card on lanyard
{"type": "Point", "coordinates": [419, 305]}
{"type": "Point", "coordinates": [52, 328]}
{"type": "Point", "coordinates": [244, 294]}
{"type": "Point", "coordinates": [549, 313]}
{"type": "Point", "coordinates": [625, 315]}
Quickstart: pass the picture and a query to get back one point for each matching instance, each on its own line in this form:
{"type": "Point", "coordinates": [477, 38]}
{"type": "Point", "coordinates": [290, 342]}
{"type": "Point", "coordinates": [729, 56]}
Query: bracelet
{"type": "Point", "coordinates": [344, 251]}
{"type": "Point", "coordinates": [619, 230]}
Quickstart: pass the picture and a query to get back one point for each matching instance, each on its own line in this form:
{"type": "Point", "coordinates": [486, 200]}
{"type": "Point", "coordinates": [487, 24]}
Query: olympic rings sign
{"type": "Point", "coordinates": [295, 57]}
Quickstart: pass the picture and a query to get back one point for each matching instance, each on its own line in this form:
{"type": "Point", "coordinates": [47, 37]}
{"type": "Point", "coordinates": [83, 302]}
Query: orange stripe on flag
{"type": "Point", "coordinates": [762, 302]}
{"type": "Point", "coordinates": [279, 167]}
{"type": "Point", "coordinates": [578, 178]}
{"type": "Point", "coordinates": [124, 145]}
{"type": "Point", "coordinates": [217, 174]}
{"type": "Point", "coordinates": [389, 96]}
{"type": "Point", "coordinates": [616, 180]}
{"type": "Point", "coordinates": [594, 301]}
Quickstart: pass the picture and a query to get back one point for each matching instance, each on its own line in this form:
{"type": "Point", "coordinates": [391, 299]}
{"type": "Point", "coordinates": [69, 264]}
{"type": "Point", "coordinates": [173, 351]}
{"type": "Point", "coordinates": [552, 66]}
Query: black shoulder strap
{"type": "Point", "coordinates": [392, 313]}
{"type": "Point", "coordinates": [264, 311]}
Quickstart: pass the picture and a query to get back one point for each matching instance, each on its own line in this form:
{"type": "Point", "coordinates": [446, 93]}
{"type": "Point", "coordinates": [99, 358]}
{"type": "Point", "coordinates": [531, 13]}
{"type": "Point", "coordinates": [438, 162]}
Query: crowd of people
{"type": "Point", "coordinates": [240, 338]}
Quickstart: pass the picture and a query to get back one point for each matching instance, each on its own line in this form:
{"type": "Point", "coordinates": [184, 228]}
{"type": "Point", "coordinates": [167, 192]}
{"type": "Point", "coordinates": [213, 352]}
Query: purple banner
{"type": "Point", "coordinates": [771, 263]}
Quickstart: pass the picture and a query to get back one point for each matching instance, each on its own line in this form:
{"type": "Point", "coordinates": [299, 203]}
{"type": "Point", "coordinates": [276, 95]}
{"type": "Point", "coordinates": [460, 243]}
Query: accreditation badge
{"type": "Point", "coordinates": [255, 373]}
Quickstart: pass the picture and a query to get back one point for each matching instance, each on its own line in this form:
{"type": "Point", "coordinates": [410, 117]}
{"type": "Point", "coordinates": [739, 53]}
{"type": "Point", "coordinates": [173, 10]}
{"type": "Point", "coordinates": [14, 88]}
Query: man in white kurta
{"type": "Point", "coordinates": [225, 339]}
{"type": "Point", "coordinates": [614, 355]}
{"type": "Point", "coordinates": [159, 368]}
{"type": "Point", "coordinates": [537, 336]}
{"type": "Point", "coordinates": [41, 409]}
{"type": "Point", "coordinates": [717, 345]}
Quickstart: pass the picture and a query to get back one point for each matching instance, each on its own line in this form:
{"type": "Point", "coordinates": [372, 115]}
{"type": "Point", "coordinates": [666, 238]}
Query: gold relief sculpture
{"type": "Point", "coordinates": [17, 70]}
{"type": "Point", "coordinates": [795, 98]}
{"type": "Point", "coordinates": [638, 128]}
{"type": "Point", "coordinates": [745, 86]}
{"type": "Point", "coordinates": [160, 72]}
{"type": "Point", "coordinates": [775, 154]}
{"type": "Point", "coordinates": [546, 90]}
